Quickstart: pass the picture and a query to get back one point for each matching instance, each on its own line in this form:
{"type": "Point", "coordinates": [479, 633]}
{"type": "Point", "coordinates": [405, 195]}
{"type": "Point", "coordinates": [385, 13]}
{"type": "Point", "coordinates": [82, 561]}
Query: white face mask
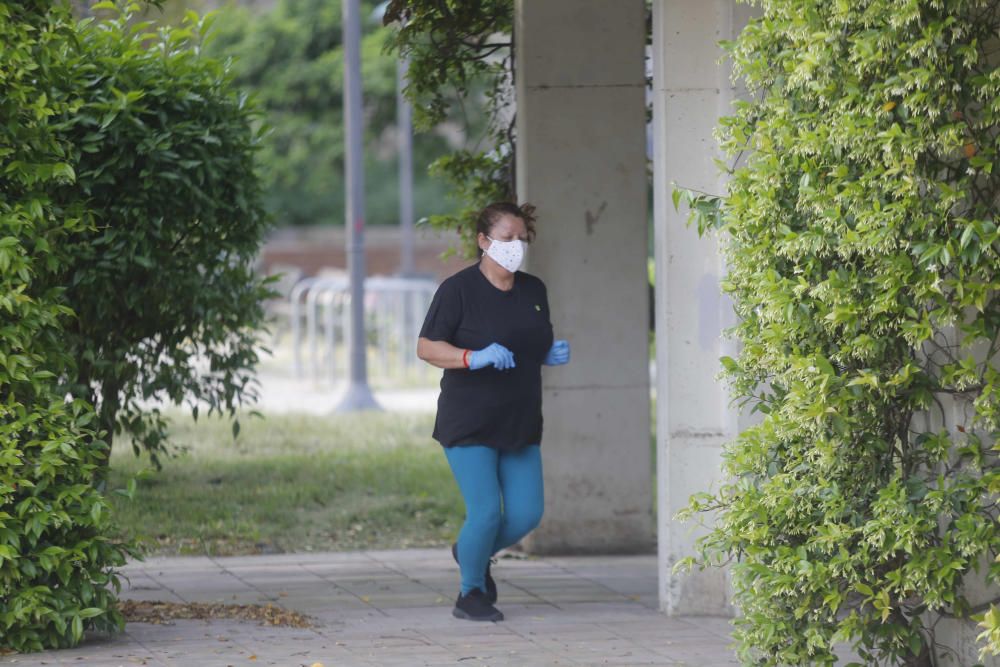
{"type": "Point", "coordinates": [508, 254]}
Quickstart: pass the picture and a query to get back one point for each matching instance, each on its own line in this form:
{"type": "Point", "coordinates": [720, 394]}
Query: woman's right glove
{"type": "Point", "coordinates": [495, 355]}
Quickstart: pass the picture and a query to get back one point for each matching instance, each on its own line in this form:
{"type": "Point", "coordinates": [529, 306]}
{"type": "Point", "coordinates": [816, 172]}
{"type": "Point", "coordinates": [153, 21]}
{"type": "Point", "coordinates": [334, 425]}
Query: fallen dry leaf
{"type": "Point", "coordinates": [160, 613]}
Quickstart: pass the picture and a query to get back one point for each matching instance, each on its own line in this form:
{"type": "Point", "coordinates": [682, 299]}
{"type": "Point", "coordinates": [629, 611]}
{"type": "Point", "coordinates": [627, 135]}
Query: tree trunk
{"type": "Point", "coordinates": [923, 659]}
{"type": "Point", "coordinates": [106, 422]}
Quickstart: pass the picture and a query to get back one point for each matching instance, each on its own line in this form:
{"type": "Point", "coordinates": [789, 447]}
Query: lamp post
{"type": "Point", "coordinates": [358, 395]}
{"type": "Point", "coordinates": [404, 123]}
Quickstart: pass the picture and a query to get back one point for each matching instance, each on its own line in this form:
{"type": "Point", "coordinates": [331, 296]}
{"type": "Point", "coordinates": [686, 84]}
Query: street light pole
{"type": "Point", "coordinates": [359, 395]}
{"type": "Point", "coordinates": [404, 123]}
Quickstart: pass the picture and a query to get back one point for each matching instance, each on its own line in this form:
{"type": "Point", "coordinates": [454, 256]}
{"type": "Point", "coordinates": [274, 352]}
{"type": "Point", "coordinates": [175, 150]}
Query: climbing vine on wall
{"type": "Point", "coordinates": [863, 250]}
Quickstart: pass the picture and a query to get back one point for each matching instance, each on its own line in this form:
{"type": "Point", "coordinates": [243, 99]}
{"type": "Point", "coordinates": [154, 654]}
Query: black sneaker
{"type": "Point", "coordinates": [473, 606]}
{"type": "Point", "coordinates": [491, 585]}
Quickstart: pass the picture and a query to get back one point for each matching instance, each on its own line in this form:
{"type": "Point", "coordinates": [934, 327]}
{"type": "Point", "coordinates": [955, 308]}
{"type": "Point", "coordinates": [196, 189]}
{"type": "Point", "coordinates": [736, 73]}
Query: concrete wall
{"type": "Point", "coordinates": [582, 161]}
{"type": "Point", "coordinates": [691, 91]}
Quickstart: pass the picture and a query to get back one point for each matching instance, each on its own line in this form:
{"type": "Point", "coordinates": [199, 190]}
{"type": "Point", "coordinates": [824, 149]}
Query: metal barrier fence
{"type": "Point", "coordinates": [394, 311]}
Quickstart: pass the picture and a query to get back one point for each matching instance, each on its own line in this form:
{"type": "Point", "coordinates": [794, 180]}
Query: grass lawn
{"type": "Point", "coordinates": [292, 483]}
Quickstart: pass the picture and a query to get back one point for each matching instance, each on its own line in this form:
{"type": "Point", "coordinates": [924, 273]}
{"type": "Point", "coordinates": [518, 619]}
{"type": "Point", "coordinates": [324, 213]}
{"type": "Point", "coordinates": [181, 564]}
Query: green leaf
{"type": "Point", "coordinates": [77, 626]}
{"type": "Point", "coordinates": [676, 194]}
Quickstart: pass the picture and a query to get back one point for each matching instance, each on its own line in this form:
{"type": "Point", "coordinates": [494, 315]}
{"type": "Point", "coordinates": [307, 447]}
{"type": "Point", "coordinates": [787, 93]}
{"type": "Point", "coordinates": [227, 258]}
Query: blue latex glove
{"type": "Point", "coordinates": [559, 354]}
{"type": "Point", "coordinates": [495, 355]}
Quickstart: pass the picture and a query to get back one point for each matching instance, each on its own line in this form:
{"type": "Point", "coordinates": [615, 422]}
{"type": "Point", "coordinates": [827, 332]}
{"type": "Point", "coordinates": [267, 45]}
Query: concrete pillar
{"type": "Point", "coordinates": [691, 91]}
{"type": "Point", "coordinates": [582, 161]}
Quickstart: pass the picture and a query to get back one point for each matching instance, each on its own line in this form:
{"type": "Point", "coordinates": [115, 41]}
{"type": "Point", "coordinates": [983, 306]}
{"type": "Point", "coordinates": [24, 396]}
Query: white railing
{"type": "Point", "coordinates": [394, 311]}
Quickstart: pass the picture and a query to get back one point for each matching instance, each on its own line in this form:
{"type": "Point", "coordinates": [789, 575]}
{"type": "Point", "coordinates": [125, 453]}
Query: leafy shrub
{"type": "Point", "coordinates": [862, 245]}
{"type": "Point", "coordinates": [55, 561]}
{"type": "Point", "coordinates": [167, 304]}
{"type": "Point", "coordinates": [462, 51]}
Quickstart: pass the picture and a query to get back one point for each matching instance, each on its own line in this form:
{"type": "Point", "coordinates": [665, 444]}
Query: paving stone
{"type": "Point", "coordinates": [394, 608]}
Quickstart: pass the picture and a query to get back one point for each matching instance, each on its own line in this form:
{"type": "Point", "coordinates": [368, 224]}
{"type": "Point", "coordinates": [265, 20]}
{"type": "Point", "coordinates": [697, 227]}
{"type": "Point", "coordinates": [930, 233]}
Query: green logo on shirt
{"type": "Point", "coordinates": [538, 308]}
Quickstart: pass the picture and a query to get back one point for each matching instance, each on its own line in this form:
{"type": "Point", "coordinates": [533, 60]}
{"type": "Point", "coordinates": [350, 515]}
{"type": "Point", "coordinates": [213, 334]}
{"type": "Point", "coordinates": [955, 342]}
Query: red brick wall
{"type": "Point", "coordinates": [314, 249]}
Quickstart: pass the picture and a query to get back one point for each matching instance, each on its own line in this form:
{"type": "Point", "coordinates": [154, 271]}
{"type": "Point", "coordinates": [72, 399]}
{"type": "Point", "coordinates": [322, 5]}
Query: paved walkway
{"type": "Point", "coordinates": [388, 608]}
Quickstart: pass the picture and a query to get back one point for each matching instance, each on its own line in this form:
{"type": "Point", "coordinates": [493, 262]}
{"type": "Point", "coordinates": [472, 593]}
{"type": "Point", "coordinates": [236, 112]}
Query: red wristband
{"type": "Point", "coordinates": [465, 358]}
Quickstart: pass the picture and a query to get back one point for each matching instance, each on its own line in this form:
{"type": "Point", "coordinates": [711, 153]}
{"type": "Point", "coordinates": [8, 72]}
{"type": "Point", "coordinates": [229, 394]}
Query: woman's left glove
{"type": "Point", "coordinates": [559, 354]}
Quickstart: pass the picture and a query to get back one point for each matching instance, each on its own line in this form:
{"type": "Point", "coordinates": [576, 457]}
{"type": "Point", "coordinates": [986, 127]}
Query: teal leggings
{"type": "Point", "coordinates": [503, 502]}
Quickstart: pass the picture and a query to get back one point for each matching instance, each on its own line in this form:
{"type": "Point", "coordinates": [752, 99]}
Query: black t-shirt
{"type": "Point", "coordinates": [500, 409]}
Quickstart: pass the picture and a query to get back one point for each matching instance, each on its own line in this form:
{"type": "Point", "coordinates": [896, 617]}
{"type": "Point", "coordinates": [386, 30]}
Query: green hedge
{"type": "Point", "coordinates": [56, 565]}
{"type": "Point", "coordinates": [163, 286]}
{"type": "Point", "coordinates": [129, 224]}
{"type": "Point", "coordinates": [860, 233]}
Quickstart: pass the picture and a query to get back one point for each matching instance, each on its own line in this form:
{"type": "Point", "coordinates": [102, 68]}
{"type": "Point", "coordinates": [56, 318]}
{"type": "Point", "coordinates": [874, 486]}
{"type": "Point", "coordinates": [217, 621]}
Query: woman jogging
{"type": "Point", "coordinates": [488, 327]}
